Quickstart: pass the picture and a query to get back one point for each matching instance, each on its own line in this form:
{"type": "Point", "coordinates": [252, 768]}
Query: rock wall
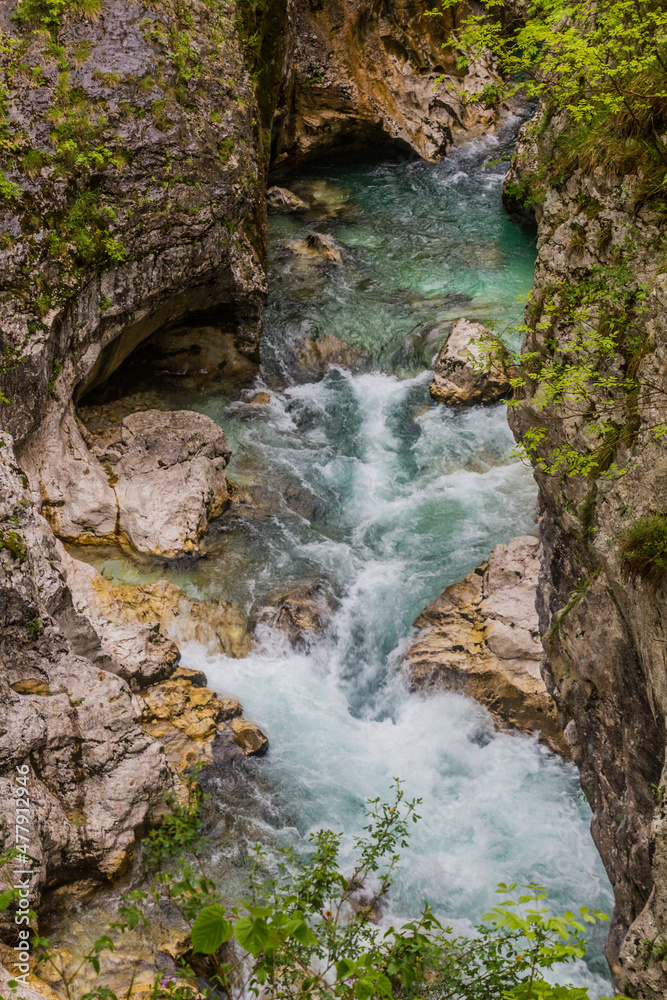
{"type": "Point", "coordinates": [605, 636]}
{"type": "Point", "coordinates": [364, 75]}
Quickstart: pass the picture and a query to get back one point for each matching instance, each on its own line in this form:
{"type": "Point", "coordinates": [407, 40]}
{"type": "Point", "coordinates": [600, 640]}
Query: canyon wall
{"type": "Point", "coordinates": [604, 631]}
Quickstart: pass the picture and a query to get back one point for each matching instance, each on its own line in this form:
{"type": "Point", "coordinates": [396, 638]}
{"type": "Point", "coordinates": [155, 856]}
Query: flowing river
{"type": "Point", "coordinates": [387, 499]}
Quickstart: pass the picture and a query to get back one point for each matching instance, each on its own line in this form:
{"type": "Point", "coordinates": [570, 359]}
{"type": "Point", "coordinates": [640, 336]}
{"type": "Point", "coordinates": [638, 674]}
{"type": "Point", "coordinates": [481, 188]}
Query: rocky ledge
{"type": "Point", "coordinates": [481, 637]}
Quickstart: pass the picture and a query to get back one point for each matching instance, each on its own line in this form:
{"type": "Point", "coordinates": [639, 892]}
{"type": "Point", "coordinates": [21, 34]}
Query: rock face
{"type": "Point", "coordinates": [605, 637]}
{"type": "Point", "coordinates": [163, 228]}
{"type": "Point", "coordinates": [481, 637]}
{"type": "Point", "coordinates": [152, 484]}
{"type": "Point", "coordinates": [363, 77]}
{"type": "Point", "coordinates": [97, 776]}
{"type": "Point", "coordinates": [471, 368]}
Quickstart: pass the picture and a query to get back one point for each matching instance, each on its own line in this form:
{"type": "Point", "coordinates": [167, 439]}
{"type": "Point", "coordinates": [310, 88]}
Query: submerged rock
{"type": "Point", "coordinates": [325, 199]}
{"type": "Point", "coordinates": [152, 484]}
{"type": "Point", "coordinates": [302, 612]}
{"type": "Point", "coordinates": [316, 356]}
{"type": "Point", "coordinates": [219, 625]}
{"type": "Point", "coordinates": [318, 246]}
{"type": "Point", "coordinates": [465, 373]}
{"type": "Point", "coordinates": [282, 200]}
{"type": "Point", "coordinates": [481, 637]}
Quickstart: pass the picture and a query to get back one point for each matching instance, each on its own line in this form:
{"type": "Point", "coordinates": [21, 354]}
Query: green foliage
{"type": "Point", "coordinates": [83, 235]}
{"type": "Point", "coordinates": [14, 544]}
{"type": "Point", "coordinates": [9, 191]}
{"type": "Point", "coordinates": [179, 832]}
{"type": "Point", "coordinates": [310, 931]}
{"type": "Point", "coordinates": [34, 628]}
{"type": "Point", "coordinates": [591, 375]}
{"type": "Point", "coordinates": [48, 14]}
{"type": "Point", "coordinates": [225, 150]}
{"type": "Point", "coordinates": [57, 370]}
{"type": "Point", "coordinates": [644, 551]}
{"type": "Point", "coordinates": [603, 64]}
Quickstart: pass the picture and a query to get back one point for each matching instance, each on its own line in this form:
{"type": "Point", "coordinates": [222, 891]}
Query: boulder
{"type": "Point", "coordinates": [249, 737]}
{"type": "Point", "coordinates": [303, 612]}
{"type": "Point", "coordinates": [472, 367]}
{"type": "Point", "coordinates": [261, 399]}
{"type": "Point", "coordinates": [151, 484]}
{"type": "Point", "coordinates": [481, 637]}
{"type": "Point", "coordinates": [171, 480]}
{"type": "Point", "coordinates": [281, 199]}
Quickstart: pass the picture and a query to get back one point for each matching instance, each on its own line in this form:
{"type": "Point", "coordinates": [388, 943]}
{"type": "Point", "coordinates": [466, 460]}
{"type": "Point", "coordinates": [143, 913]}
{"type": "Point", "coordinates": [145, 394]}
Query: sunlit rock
{"type": "Point", "coordinates": [318, 246]}
{"type": "Point", "coordinates": [249, 737]}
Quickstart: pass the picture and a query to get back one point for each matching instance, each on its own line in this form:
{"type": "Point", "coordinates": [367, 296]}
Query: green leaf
{"type": "Point", "coordinates": [210, 930]}
{"type": "Point", "coordinates": [6, 898]}
{"type": "Point", "coordinates": [302, 932]}
{"type": "Point", "coordinates": [344, 967]}
{"type": "Point", "coordinates": [364, 988]}
{"type": "Point", "coordinates": [252, 933]}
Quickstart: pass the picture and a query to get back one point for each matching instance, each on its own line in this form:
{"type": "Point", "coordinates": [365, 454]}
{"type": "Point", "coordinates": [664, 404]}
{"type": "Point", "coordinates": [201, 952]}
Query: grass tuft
{"type": "Point", "coordinates": [644, 551]}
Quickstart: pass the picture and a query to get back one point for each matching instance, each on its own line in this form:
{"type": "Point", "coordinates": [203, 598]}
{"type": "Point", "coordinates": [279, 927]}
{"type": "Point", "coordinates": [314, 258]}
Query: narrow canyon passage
{"type": "Point", "coordinates": [366, 490]}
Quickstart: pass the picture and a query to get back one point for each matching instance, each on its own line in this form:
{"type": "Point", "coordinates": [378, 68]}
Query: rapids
{"type": "Point", "coordinates": [389, 499]}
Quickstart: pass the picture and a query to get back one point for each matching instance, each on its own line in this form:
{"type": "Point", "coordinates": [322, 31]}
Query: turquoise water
{"type": "Point", "coordinates": [365, 485]}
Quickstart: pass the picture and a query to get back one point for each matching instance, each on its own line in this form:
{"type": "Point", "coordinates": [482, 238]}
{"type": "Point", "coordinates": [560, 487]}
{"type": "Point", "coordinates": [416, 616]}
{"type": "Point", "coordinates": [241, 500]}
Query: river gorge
{"type": "Point", "coordinates": [243, 522]}
{"type": "Point", "coordinates": [363, 486]}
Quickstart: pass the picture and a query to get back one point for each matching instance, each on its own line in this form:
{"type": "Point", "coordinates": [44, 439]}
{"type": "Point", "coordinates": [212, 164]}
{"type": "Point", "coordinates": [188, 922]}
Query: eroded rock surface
{"type": "Point", "coordinates": [481, 637]}
{"type": "Point", "coordinates": [362, 77]}
{"type": "Point", "coordinates": [150, 484]}
{"type": "Point", "coordinates": [471, 368]}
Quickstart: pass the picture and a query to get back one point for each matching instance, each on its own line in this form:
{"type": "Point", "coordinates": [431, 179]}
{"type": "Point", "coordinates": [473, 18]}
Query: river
{"type": "Point", "coordinates": [386, 499]}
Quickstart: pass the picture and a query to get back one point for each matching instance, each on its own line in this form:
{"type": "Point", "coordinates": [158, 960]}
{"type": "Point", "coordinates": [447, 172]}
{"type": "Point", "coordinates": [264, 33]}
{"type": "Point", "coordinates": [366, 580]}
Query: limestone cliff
{"type": "Point", "coordinates": [604, 633]}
